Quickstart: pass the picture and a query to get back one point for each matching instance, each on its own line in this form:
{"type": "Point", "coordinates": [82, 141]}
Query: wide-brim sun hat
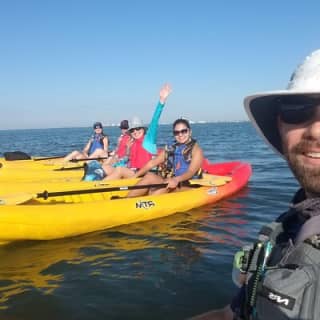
{"type": "Point", "coordinates": [136, 122]}
{"type": "Point", "coordinates": [262, 107]}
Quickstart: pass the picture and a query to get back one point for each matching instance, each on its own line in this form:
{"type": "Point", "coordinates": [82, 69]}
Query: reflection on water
{"type": "Point", "coordinates": [41, 265]}
{"type": "Point", "coordinates": [171, 268]}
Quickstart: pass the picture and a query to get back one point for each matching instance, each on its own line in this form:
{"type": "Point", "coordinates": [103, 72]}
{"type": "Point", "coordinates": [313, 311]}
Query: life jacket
{"type": "Point", "coordinates": [282, 277]}
{"type": "Point", "coordinates": [138, 156]}
{"type": "Point", "coordinates": [177, 159]}
{"type": "Point", "coordinates": [96, 142]}
{"type": "Point", "coordinates": [122, 145]}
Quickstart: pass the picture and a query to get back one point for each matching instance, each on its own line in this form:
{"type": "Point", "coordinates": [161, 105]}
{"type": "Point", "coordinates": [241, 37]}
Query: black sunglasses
{"type": "Point", "coordinates": [135, 129]}
{"type": "Point", "coordinates": [97, 127]}
{"type": "Point", "coordinates": [297, 109]}
{"type": "Point", "coordinates": [182, 131]}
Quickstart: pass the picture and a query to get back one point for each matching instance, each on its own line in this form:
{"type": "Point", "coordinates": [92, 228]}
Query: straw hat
{"type": "Point", "coordinates": [262, 110]}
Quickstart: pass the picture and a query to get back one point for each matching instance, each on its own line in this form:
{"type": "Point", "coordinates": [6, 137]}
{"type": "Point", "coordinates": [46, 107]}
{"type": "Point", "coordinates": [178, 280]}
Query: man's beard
{"type": "Point", "coordinates": [308, 177]}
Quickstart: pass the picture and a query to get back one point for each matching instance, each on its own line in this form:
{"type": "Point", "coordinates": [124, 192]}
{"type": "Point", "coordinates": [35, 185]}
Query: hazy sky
{"type": "Point", "coordinates": [70, 63]}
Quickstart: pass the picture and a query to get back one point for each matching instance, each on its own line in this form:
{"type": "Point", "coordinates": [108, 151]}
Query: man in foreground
{"type": "Point", "coordinates": [279, 276]}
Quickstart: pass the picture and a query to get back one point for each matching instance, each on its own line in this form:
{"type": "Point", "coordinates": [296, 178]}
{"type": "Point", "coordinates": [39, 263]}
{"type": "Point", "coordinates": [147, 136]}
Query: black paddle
{"type": "Point", "coordinates": [48, 158]}
{"type": "Point", "coordinates": [72, 160]}
{"type": "Point", "coordinates": [45, 194]}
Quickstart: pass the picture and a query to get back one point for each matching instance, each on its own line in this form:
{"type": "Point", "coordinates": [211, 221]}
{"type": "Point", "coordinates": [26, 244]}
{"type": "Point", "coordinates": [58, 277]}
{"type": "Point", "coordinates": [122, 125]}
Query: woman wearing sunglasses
{"type": "Point", "coordinates": [96, 147]}
{"type": "Point", "coordinates": [179, 162]}
{"type": "Point", "coordinates": [142, 145]}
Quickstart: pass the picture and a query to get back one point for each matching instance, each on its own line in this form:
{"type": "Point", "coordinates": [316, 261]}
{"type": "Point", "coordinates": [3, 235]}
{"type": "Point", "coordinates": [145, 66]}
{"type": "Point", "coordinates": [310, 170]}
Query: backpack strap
{"type": "Point", "coordinates": [310, 231]}
{"type": "Point", "coordinates": [270, 232]}
{"type": "Point", "coordinates": [257, 264]}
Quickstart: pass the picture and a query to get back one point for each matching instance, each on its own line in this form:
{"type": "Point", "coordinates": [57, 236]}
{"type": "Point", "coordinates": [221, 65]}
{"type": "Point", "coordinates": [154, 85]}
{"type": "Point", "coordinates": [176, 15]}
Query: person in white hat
{"type": "Point", "coordinates": [279, 275]}
{"type": "Point", "coordinates": [142, 145]}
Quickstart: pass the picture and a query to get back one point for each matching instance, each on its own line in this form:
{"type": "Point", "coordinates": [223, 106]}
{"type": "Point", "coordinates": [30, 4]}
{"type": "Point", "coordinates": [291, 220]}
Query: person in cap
{"type": "Point", "coordinates": [96, 147]}
{"type": "Point", "coordinates": [279, 275]}
{"type": "Point", "coordinates": [119, 154]}
{"type": "Point", "coordinates": [121, 149]}
{"type": "Point", "coordinates": [142, 144]}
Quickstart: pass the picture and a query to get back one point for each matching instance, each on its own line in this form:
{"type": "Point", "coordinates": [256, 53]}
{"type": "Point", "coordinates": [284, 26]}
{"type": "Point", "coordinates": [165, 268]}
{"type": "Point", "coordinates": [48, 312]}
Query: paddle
{"type": "Point", "coordinates": [197, 182]}
{"type": "Point", "coordinates": [16, 199]}
{"type": "Point", "coordinates": [72, 160]}
{"type": "Point", "coordinates": [47, 158]}
{"type": "Point", "coordinates": [69, 168]}
{"type": "Point", "coordinates": [24, 197]}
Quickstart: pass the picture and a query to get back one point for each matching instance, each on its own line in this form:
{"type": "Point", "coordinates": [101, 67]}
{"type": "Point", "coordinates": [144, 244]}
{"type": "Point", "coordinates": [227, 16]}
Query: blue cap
{"type": "Point", "coordinates": [97, 125]}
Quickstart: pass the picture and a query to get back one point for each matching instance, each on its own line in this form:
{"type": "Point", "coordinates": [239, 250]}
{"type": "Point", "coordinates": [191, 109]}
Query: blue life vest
{"type": "Point", "coordinates": [178, 159]}
{"type": "Point", "coordinates": [96, 143]}
{"type": "Point", "coordinates": [180, 162]}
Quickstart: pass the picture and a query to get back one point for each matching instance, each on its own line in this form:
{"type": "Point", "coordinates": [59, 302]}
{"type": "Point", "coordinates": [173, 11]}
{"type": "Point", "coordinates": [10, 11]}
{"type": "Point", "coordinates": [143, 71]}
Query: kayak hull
{"type": "Point", "coordinates": [54, 221]}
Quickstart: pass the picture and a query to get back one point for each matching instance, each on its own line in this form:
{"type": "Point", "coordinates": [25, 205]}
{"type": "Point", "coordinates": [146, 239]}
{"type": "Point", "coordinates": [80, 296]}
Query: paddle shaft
{"type": "Point", "coordinates": [45, 194]}
{"type": "Point", "coordinates": [69, 168]}
{"type": "Point", "coordinates": [48, 158]}
{"type": "Point", "coordinates": [72, 160]}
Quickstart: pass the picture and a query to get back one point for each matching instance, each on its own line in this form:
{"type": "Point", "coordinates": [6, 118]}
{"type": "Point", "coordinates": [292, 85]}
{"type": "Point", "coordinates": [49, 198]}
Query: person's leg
{"type": "Point", "coordinates": [74, 155]}
{"type": "Point", "coordinates": [98, 153]}
{"type": "Point", "coordinates": [126, 173]}
{"type": "Point", "coordinates": [149, 178]}
{"type": "Point", "coordinates": [117, 173]}
{"type": "Point", "coordinates": [109, 170]}
{"type": "Point", "coordinates": [110, 161]}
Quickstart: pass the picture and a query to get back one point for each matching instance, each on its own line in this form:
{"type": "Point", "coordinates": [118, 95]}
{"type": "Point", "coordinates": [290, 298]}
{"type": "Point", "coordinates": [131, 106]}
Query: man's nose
{"type": "Point", "coordinates": [314, 126]}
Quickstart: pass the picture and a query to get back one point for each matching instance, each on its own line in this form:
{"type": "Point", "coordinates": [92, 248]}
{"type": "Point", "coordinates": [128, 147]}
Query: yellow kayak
{"type": "Point", "coordinates": [12, 193]}
{"type": "Point", "coordinates": [29, 172]}
{"type": "Point", "coordinates": [41, 221]}
{"type": "Point", "coordinates": [39, 164]}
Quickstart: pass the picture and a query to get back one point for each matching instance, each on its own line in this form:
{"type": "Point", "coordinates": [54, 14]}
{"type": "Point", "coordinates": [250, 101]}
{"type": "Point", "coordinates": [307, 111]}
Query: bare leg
{"type": "Point", "coordinates": [74, 155]}
{"type": "Point", "coordinates": [98, 153]}
{"type": "Point", "coordinates": [118, 173]}
{"type": "Point", "coordinates": [149, 178]}
{"type": "Point", "coordinates": [111, 160]}
{"type": "Point", "coordinates": [109, 170]}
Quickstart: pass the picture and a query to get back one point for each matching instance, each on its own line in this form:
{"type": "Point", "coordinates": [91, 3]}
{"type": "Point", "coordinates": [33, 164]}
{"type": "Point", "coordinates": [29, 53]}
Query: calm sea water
{"type": "Point", "coordinates": [170, 268]}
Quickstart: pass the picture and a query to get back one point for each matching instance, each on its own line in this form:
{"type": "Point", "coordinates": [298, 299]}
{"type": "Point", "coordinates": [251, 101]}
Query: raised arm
{"type": "Point", "coordinates": [164, 93]}
{"type": "Point", "coordinates": [150, 139]}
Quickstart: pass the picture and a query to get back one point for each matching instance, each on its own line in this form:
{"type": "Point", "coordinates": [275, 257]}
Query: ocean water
{"type": "Point", "coordinates": [170, 268]}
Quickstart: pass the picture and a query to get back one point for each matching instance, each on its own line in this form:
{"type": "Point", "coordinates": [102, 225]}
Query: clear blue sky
{"type": "Point", "coordinates": [69, 63]}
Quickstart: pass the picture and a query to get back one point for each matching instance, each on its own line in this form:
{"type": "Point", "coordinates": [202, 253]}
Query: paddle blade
{"type": "Point", "coordinates": [209, 180]}
{"type": "Point", "coordinates": [16, 199]}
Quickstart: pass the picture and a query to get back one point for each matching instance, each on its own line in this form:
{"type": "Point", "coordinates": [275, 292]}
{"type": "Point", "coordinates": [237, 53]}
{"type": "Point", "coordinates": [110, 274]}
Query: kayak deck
{"type": "Point", "coordinates": [74, 216]}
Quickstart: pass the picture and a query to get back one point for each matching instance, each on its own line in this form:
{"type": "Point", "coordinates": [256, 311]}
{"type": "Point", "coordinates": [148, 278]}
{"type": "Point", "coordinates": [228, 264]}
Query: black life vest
{"type": "Point", "coordinates": [282, 277]}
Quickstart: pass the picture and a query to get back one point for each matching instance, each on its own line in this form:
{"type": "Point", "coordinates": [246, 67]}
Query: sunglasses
{"type": "Point", "coordinates": [182, 131]}
{"type": "Point", "coordinates": [97, 128]}
{"type": "Point", "coordinates": [297, 109]}
{"type": "Point", "coordinates": [135, 129]}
